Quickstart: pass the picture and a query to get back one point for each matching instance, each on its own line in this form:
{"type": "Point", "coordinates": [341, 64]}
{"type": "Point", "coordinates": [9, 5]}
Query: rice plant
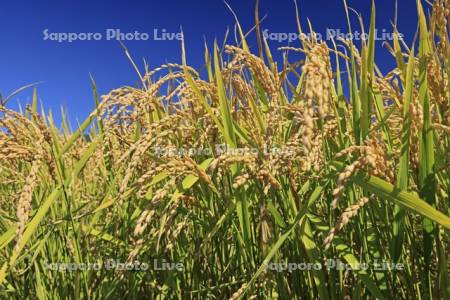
{"type": "Point", "coordinates": [321, 178]}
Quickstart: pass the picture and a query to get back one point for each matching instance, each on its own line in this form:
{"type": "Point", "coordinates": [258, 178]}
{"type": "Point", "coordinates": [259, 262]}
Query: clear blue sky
{"type": "Point", "coordinates": [64, 68]}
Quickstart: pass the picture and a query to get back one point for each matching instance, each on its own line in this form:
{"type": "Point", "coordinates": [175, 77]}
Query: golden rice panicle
{"type": "Point", "coordinates": [342, 180]}
{"type": "Point", "coordinates": [265, 176]}
{"type": "Point", "coordinates": [242, 88]}
{"type": "Point", "coordinates": [268, 79]}
{"type": "Point", "coordinates": [444, 128]}
{"type": "Point", "coordinates": [439, 17]}
{"type": "Point", "coordinates": [137, 244]}
{"type": "Point", "coordinates": [174, 234]}
{"type": "Point", "coordinates": [11, 150]}
{"type": "Point", "coordinates": [168, 66]}
{"type": "Point", "coordinates": [143, 221]}
{"type": "Point", "coordinates": [169, 217]}
{"type": "Point", "coordinates": [372, 156]}
{"type": "Point", "coordinates": [317, 95]}
{"type": "Point", "coordinates": [153, 134]}
{"type": "Point", "coordinates": [192, 165]}
{"type": "Point", "coordinates": [227, 159]}
{"type": "Point", "coordinates": [241, 180]}
{"type": "Point", "coordinates": [307, 129]}
{"type": "Point", "coordinates": [438, 84]}
{"type": "Point", "coordinates": [318, 78]}
{"type": "Point", "coordinates": [349, 213]}
{"type": "Point", "coordinates": [24, 203]}
{"type": "Point", "coordinates": [238, 293]}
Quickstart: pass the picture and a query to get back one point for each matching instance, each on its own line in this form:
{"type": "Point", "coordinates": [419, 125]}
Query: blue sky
{"type": "Point", "coordinates": [64, 68]}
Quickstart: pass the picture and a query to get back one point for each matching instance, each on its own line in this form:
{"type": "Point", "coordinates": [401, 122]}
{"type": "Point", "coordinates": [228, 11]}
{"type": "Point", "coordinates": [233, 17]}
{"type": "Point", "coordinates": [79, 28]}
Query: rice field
{"type": "Point", "coordinates": [321, 178]}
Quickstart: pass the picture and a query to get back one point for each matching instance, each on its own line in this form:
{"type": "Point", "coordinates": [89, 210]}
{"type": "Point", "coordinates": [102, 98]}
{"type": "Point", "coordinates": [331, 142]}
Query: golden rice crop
{"type": "Point", "coordinates": [226, 184]}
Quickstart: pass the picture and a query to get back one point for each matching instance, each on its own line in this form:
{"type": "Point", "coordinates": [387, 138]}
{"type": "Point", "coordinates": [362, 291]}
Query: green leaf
{"type": "Point", "coordinates": [385, 190]}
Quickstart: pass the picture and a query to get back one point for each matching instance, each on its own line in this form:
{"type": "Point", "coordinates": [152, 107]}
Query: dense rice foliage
{"type": "Point", "coordinates": [237, 172]}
